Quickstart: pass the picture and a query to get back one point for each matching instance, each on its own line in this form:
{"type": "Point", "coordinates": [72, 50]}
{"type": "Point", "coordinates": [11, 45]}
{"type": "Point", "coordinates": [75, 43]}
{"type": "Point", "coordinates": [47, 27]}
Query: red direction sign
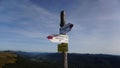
{"type": "Point", "coordinates": [58, 38]}
{"type": "Point", "coordinates": [65, 29]}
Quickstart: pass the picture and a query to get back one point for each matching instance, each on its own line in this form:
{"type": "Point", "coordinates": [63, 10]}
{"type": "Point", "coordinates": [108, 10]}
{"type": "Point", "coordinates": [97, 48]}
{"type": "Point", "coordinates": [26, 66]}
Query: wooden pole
{"type": "Point", "coordinates": [62, 18]}
{"type": "Point", "coordinates": [65, 60]}
{"type": "Point", "coordinates": [62, 23]}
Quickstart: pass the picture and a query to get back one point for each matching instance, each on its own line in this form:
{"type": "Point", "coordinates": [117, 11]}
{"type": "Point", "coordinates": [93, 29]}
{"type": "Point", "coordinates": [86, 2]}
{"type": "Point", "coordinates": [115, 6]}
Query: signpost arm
{"type": "Point", "coordinates": [62, 23]}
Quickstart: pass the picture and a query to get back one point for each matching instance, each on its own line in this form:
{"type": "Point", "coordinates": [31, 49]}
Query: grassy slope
{"type": "Point", "coordinates": [7, 57]}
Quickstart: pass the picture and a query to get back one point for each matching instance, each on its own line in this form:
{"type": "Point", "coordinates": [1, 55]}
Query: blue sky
{"type": "Point", "coordinates": [25, 24]}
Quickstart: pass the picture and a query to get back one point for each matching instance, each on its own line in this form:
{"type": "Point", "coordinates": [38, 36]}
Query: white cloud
{"type": "Point", "coordinates": [25, 18]}
{"type": "Point", "coordinates": [97, 27]}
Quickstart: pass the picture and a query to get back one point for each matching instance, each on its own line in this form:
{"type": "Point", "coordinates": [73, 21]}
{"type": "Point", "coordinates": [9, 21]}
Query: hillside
{"type": "Point", "coordinates": [7, 58]}
{"type": "Point", "coordinates": [54, 60]}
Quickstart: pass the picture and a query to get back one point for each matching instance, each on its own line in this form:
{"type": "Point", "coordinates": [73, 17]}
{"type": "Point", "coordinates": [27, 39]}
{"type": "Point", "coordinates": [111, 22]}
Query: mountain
{"type": "Point", "coordinates": [55, 60]}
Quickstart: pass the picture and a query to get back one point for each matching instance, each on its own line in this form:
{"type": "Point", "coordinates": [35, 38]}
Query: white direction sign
{"type": "Point", "coordinates": [65, 29]}
{"type": "Point", "coordinates": [58, 38]}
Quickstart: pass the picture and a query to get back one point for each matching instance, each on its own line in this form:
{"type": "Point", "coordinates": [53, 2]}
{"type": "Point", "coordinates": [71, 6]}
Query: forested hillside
{"type": "Point", "coordinates": [54, 60]}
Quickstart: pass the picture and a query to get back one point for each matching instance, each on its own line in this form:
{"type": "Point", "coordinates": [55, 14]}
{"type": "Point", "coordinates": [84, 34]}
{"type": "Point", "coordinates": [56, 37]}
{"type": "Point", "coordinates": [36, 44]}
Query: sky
{"type": "Point", "coordinates": [25, 24]}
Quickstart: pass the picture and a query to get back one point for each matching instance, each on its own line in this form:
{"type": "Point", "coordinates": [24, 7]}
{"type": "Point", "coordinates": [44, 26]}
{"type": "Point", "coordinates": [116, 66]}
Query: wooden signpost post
{"type": "Point", "coordinates": [62, 37]}
{"type": "Point", "coordinates": [62, 24]}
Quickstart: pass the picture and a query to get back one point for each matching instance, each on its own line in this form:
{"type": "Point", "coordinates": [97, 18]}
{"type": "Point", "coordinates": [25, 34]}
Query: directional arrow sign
{"type": "Point", "coordinates": [65, 29]}
{"type": "Point", "coordinates": [58, 38]}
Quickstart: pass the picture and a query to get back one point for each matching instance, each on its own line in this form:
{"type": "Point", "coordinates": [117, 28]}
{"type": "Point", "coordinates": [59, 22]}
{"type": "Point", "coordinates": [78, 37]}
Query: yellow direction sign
{"type": "Point", "coordinates": [63, 47]}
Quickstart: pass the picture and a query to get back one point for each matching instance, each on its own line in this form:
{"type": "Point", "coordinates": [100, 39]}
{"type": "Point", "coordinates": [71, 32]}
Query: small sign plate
{"type": "Point", "coordinates": [63, 47]}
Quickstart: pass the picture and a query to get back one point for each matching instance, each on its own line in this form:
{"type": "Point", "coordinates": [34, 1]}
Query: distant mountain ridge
{"type": "Point", "coordinates": [55, 60]}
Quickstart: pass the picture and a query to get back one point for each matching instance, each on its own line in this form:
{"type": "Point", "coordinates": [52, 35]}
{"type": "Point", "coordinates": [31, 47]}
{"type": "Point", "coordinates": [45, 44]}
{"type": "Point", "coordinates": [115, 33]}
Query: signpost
{"type": "Point", "coordinates": [62, 24]}
{"type": "Point", "coordinates": [62, 38]}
